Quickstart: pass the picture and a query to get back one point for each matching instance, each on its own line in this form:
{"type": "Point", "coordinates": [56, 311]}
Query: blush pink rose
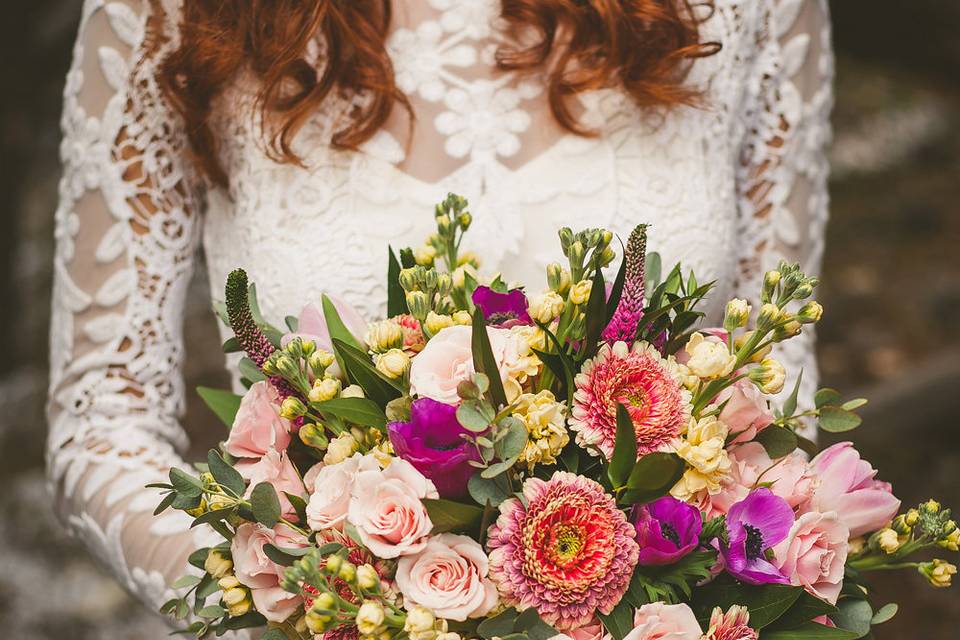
{"type": "Point", "coordinates": [814, 553]}
{"type": "Point", "coordinates": [746, 412]}
{"type": "Point", "coordinates": [658, 621]}
{"type": "Point", "coordinates": [260, 574]}
{"type": "Point", "coordinates": [258, 427]}
{"type": "Point", "coordinates": [275, 468]}
{"type": "Point", "coordinates": [449, 577]}
{"type": "Point", "coordinates": [386, 509]}
{"type": "Point", "coordinates": [788, 477]}
{"type": "Point", "coordinates": [312, 325]}
{"type": "Point", "coordinates": [447, 360]}
{"type": "Point", "coordinates": [593, 630]}
{"type": "Point", "coordinates": [330, 491]}
{"type": "Point", "coordinates": [846, 485]}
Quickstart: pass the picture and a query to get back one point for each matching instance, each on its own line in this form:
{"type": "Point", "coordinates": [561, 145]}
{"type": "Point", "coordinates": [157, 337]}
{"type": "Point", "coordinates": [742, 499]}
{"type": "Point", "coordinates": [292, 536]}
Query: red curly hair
{"type": "Point", "coordinates": [641, 45]}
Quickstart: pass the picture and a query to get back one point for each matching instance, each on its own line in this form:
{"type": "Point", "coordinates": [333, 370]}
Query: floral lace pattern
{"type": "Point", "coordinates": [728, 190]}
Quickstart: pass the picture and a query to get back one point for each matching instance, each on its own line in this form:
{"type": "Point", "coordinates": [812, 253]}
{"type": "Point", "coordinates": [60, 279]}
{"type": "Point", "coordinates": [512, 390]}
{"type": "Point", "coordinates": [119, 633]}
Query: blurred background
{"type": "Point", "coordinates": [891, 290]}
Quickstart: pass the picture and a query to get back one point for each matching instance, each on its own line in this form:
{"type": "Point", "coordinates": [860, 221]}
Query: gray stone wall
{"type": "Point", "coordinates": [892, 295]}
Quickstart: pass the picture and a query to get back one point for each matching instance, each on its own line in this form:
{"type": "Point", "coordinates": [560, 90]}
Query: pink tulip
{"type": "Point", "coordinates": [847, 486]}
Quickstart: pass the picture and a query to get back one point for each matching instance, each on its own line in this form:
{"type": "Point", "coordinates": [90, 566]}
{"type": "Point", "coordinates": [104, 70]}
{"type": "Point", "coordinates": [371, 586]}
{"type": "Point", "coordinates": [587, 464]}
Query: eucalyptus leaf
{"type": "Point", "coordinates": [824, 397]}
{"type": "Point", "coordinates": [498, 468]}
{"type": "Point", "coordinates": [265, 504]}
{"type": "Point", "coordinates": [474, 416]}
{"type": "Point", "coordinates": [838, 420]}
{"type": "Point", "coordinates": [778, 441]}
{"type": "Point", "coordinates": [490, 491]}
{"type": "Point", "coordinates": [225, 475]}
{"type": "Point", "coordinates": [854, 615]}
{"type": "Point", "coordinates": [885, 613]}
{"type": "Point", "coordinates": [185, 484]}
{"type": "Point", "coordinates": [515, 440]}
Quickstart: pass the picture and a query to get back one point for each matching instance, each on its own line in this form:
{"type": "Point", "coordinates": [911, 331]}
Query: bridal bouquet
{"type": "Point", "coordinates": [584, 461]}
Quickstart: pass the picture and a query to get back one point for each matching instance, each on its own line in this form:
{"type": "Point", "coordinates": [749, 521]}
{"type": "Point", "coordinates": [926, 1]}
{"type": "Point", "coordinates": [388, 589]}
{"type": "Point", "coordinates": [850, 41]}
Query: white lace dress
{"type": "Point", "coordinates": [728, 188]}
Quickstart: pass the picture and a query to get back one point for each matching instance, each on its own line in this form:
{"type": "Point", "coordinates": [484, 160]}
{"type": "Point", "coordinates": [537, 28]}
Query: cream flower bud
{"type": "Point", "coordinates": [448, 635]}
{"type": "Point", "coordinates": [771, 278]}
{"type": "Point", "coordinates": [228, 582]}
{"type": "Point", "coordinates": [418, 303]}
{"type": "Point", "coordinates": [888, 540]}
{"type": "Point", "coordinates": [577, 252]}
{"type": "Point", "coordinates": [367, 577]}
{"type": "Point", "coordinates": [743, 339]}
{"type": "Point", "coordinates": [319, 361]}
{"type": "Point", "coordinates": [348, 571]}
{"type": "Point", "coordinates": [931, 507]}
{"type": "Point", "coordinates": [708, 358]}
{"type": "Point", "coordinates": [408, 279]}
{"type": "Point", "coordinates": [769, 314]}
{"type": "Point", "coordinates": [465, 220]}
{"type": "Point", "coordinates": [462, 318]}
{"type": "Point", "coordinates": [292, 408]}
{"type": "Point", "coordinates": [393, 363]}
{"type": "Point", "coordinates": [419, 619]}
{"type": "Point", "coordinates": [340, 448]}
{"type": "Point", "coordinates": [323, 602]}
{"type": "Point", "coordinates": [737, 314]}
{"type": "Point", "coordinates": [316, 623]}
{"type": "Point", "coordinates": [219, 502]}
{"type": "Point", "coordinates": [383, 336]}
{"type": "Point", "coordinates": [425, 256]}
{"type": "Point", "coordinates": [312, 436]}
{"type": "Point", "coordinates": [217, 564]}
{"type": "Point", "coordinates": [352, 391]}
{"type": "Point", "coordinates": [370, 616]}
{"type": "Point", "coordinates": [545, 307]}
{"type": "Point", "coordinates": [580, 292]}
{"type": "Point", "coordinates": [558, 278]}
{"type": "Point", "coordinates": [234, 595]}
{"type": "Point", "coordinates": [769, 376]}
{"type": "Point", "coordinates": [856, 545]}
{"type": "Point", "coordinates": [787, 330]}
{"type": "Point", "coordinates": [951, 541]}
{"type": "Point", "coordinates": [444, 283]}
{"type": "Point", "coordinates": [324, 389]}
{"type": "Point", "coordinates": [436, 322]}
{"type": "Point", "coordinates": [939, 573]}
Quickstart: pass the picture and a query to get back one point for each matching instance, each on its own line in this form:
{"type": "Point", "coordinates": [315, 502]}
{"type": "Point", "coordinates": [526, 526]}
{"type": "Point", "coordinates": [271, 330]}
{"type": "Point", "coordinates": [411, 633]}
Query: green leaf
{"type": "Point", "coordinates": [885, 613]}
{"type": "Point", "coordinates": [483, 360]}
{"type": "Point", "coordinates": [225, 474]}
{"type": "Point", "coordinates": [231, 345]}
{"type": "Point", "coordinates": [499, 468]}
{"type": "Point", "coordinates": [213, 611]}
{"type": "Point", "coordinates": [250, 371]}
{"type": "Point", "coordinates": [790, 404]}
{"type": "Point", "coordinates": [652, 477]}
{"type": "Point", "coordinates": [185, 581]}
{"type": "Point", "coordinates": [396, 299]}
{"type": "Point", "coordinates": [284, 557]}
{"type": "Point", "coordinates": [838, 420]}
{"type": "Point", "coordinates": [292, 322]}
{"type": "Point", "coordinates": [854, 615]}
{"type": "Point", "coordinates": [808, 446]}
{"type": "Point", "coordinates": [185, 484]}
{"type": "Point", "coordinates": [246, 621]}
{"type": "Point", "coordinates": [856, 403]}
{"type": "Point", "coordinates": [807, 607]}
{"type": "Point", "coordinates": [499, 625]}
{"type": "Point", "coordinates": [766, 603]}
{"type": "Point", "coordinates": [619, 622]}
{"type": "Point", "coordinates": [569, 368]}
{"type": "Point", "coordinates": [490, 491]}
{"type": "Point", "coordinates": [338, 330]}
{"type": "Point", "coordinates": [274, 634]}
{"type": "Point", "coordinates": [448, 515]}
{"type": "Point", "coordinates": [778, 441]}
{"type": "Point", "coordinates": [265, 504]}
{"type": "Point", "coordinates": [809, 631]}
{"type": "Point", "coordinates": [624, 449]}
{"type": "Point", "coordinates": [360, 368]}
{"type": "Point", "coordinates": [824, 397]}
{"type": "Point", "coordinates": [596, 312]}
{"type": "Point", "coordinates": [653, 270]}
{"type": "Point", "coordinates": [223, 403]}
{"type": "Point", "coordinates": [360, 411]}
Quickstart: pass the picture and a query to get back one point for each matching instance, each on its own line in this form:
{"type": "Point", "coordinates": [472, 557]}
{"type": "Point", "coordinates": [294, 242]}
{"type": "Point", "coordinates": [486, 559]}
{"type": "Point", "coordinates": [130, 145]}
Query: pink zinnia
{"type": "Point", "coordinates": [568, 553]}
{"type": "Point", "coordinates": [646, 383]}
{"type": "Point", "coordinates": [731, 625]}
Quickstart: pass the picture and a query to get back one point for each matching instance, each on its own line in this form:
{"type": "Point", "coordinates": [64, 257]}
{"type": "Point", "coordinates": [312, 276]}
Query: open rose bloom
{"type": "Point", "coordinates": [583, 461]}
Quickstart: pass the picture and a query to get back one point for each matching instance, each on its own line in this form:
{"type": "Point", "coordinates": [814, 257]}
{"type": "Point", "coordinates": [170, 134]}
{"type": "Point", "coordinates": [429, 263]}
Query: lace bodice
{"type": "Point", "coordinates": [728, 188]}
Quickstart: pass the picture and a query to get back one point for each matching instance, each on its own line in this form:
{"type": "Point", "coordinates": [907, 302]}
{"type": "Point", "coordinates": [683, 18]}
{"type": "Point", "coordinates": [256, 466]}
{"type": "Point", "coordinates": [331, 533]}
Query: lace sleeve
{"type": "Point", "coordinates": [126, 231]}
{"type": "Point", "coordinates": [782, 179]}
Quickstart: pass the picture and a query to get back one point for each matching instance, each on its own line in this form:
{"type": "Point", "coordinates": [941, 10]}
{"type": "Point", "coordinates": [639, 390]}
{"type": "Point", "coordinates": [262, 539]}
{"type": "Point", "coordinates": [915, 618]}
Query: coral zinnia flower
{"type": "Point", "coordinates": [568, 553]}
{"type": "Point", "coordinates": [645, 382]}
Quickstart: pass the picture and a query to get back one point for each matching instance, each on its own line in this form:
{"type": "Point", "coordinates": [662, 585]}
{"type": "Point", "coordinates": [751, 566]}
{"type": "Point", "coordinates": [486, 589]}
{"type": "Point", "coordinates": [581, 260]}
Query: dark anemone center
{"type": "Point", "coordinates": [754, 543]}
{"type": "Point", "coordinates": [500, 317]}
{"type": "Point", "coordinates": [668, 531]}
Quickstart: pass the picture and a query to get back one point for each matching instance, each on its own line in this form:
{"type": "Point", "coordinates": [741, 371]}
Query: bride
{"type": "Point", "coordinates": [296, 139]}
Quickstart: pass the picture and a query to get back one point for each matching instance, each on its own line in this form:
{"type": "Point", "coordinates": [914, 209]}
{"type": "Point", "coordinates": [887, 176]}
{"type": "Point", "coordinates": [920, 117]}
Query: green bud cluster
{"type": "Point", "coordinates": [585, 251]}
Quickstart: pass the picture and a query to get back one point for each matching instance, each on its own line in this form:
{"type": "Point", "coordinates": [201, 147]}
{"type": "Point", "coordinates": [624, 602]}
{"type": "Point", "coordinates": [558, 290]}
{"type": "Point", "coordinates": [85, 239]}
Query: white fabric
{"type": "Point", "coordinates": [728, 188]}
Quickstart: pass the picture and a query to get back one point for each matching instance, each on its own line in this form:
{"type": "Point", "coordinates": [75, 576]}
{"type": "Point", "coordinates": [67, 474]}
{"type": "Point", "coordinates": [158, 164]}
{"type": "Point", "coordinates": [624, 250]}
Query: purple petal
{"type": "Point", "coordinates": [759, 571]}
{"type": "Point", "coordinates": [502, 309]}
{"type": "Point", "coordinates": [767, 512]}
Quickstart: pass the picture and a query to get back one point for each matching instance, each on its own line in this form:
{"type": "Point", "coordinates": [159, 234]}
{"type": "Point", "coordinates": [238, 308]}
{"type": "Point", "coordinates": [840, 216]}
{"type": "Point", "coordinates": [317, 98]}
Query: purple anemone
{"type": "Point", "coordinates": [754, 525]}
{"type": "Point", "coordinates": [502, 309]}
{"type": "Point", "coordinates": [431, 442]}
{"type": "Point", "coordinates": [667, 530]}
